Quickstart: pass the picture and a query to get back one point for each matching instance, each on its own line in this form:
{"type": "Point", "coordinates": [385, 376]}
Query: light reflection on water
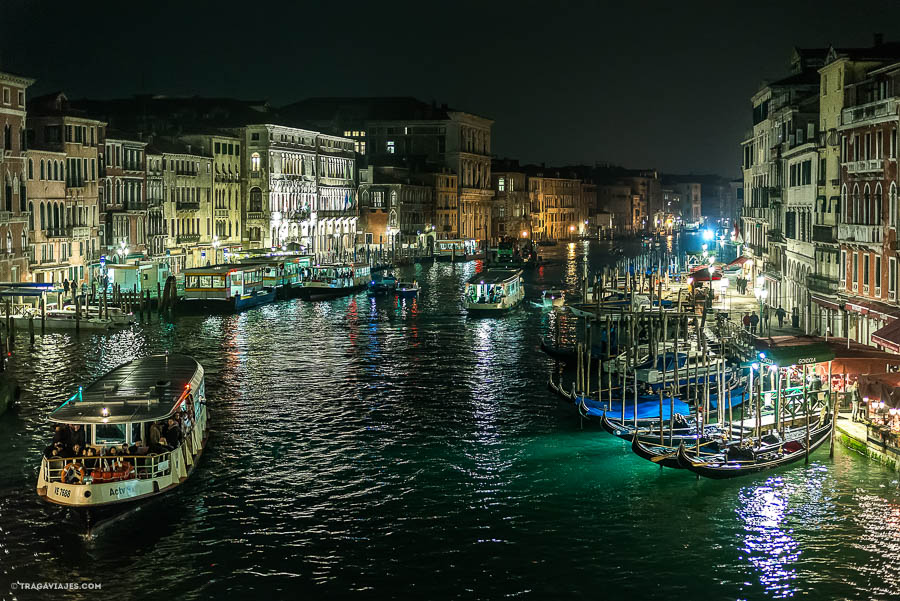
{"type": "Point", "coordinates": [401, 448]}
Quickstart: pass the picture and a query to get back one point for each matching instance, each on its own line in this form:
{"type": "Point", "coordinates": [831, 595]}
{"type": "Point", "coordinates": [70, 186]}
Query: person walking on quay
{"type": "Point", "coordinates": [767, 316]}
{"type": "Point", "coordinates": [746, 321]}
{"type": "Point", "coordinates": [795, 317]}
{"type": "Point", "coordinates": [66, 286]}
{"type": "Point", "coordinates": [780, 314]}
{"type": "Point", "coordinates": [754, 321]}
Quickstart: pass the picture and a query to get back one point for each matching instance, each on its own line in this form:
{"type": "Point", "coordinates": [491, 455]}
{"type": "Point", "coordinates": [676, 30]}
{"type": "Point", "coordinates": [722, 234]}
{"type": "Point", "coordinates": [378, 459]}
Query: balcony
{"type": "Point", "coordinates": [61, 232]}
{"type": "Point", "coordinates": [187, 238]}
{"type": "Point", "coordinates": [756, 212]}
{"type": "Point", "coordinates": [872, 110]}
{"type": "Point", "coordinates": [775, 235]}
{"type": "Point", "coordinates": [823, 233]}
{"type": "Point", "coordinates": [255, 174]}
{"type": "Point", "coordinates": [221, 212]}
{"type": "Point", "coordinates": [183, 205]}
{"type": "Point", "coordinates": [81, 232]}
{"type": "Point", "coordinates": [865, 234]}
{"type": "Point", "coordinates": [865, 166]}
{"type": "Point", "coordinates": [822, 284]}
{"type": "Point", "coordinates": [758, 251]}
{"type": "Point", "coordinates": [259, 215]}
{"type": "Point", "coordinates": [5, 216]}
{"type": "Point", "coordinates": [774, 193]}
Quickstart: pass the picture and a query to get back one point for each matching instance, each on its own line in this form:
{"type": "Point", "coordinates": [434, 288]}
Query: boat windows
{"type": "Point", "coordinates": [205, 281]}
{"type": "Point", "coordinates": [109, 434]}
{"type": "Point", "coordinates": [135, 433]}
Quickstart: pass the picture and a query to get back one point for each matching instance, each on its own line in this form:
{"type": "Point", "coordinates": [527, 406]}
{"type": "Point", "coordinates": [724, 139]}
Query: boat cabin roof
{"type": "Point", "coordinates": [495, 276]}
{"type": "Point", "coordinates": [219, 269]}
{"type": "Point", "coordinates": [147, 389]}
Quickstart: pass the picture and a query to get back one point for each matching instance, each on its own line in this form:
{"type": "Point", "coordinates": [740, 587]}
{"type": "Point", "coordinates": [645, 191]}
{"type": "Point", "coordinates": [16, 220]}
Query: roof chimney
{"type": "Point", "coordinates": [877, 39]}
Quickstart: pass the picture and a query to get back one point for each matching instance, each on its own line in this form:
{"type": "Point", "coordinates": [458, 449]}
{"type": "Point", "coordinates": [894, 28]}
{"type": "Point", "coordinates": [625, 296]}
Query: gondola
{"type": "Point", "coordinates": [648, 431]}
{"type": "Point", "coordinates": [770, 457]}
{"type": "Point", "coordinates": [665, 455]}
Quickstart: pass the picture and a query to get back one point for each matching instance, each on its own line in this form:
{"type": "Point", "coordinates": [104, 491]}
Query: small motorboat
{"type": "Point", "coordinates": [408, 289]}
{"type": "Point", "coordinates": [551, 298]}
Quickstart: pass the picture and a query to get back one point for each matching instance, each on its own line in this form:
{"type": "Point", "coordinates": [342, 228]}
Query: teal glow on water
{"type": "Point", "coordinates": [401, 450]}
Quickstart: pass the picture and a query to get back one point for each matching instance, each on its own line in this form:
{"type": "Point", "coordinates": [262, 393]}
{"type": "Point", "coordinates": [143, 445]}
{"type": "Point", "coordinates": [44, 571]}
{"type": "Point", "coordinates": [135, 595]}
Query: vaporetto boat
{"type": "Point", "coordinates": [323, 282]}
{"type": "Point", "coordinates": [494, 291]}
{"type": "Point", "coordinates": [119, 409]}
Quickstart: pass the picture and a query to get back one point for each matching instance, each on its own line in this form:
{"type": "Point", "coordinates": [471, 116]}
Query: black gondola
{"type": "Point", "coordinates": [774, 456]}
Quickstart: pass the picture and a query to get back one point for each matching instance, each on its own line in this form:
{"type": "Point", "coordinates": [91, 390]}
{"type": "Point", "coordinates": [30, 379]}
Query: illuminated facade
{"type": "Point", "coordinates": [13, 194]}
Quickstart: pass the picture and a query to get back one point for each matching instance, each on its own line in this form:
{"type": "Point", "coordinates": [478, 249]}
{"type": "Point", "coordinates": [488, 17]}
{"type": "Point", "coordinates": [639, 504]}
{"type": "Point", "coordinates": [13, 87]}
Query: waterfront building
{"type": "Point", "coordinates": [157, 226]}
{"type": "Point", "coordinates": [225, 150]}
{"type": "Point", "coordinates": [867, 232]}
{"type": "Point", "coordinates": [557, 203]}
{"type": "Point", "coordinates": [394, 210]}
{"type": "Point", "coordinates": [628, 209]}
{"type": "Point", "coordinates": [403, 131]}
{"type": "Point", "coordinates": [186, 173]}
{"type": "Point", "coordinates": [13, 177]}
{"type": "Point", "coordinates": [46, 193]}
{"type": "Point", "coordinates": [763, 169]}
{"type": "Point", "coordinates": [512, 204]}
{"type": "Point", "coordinates": [445, 186]}
{"type": "Point", "coordinates": [299, 189]}
{"type": "Point", "coordinates": [54, 125]}
{"type": "Point", "coordinates": [122, 197]}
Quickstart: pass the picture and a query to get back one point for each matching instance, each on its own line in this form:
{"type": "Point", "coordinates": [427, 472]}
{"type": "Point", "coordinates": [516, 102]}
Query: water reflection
{"type": "Point", "coordinates": [767, 541]}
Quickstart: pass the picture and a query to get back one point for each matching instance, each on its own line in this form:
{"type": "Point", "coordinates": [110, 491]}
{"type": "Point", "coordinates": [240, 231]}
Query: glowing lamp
{"type": "Point", "coordinates": [104, 412]}
{"type": "Point", "coordinates": [881, 405]}
{"type": "Point", "coordinates": [755, 366]}
{"type": "Point", "coordinates": [762, 355]}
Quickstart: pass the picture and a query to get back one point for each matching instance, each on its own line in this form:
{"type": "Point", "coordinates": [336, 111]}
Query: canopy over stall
{"type": "Point", "coordinates": [881, 387]}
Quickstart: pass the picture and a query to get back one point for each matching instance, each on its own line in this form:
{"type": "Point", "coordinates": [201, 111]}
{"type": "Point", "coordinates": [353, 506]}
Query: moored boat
{"type": "Point", "coordinates": [494, 291]}
{"type": "Point", "coordinates": [407, 289]}
{"type": "Point", "coordinates": [224, 288]}
{"type": "Point", "coordinates": [335, 280]}
{"type": "Point", "coordinates": [750, 461]}
{"type": "Point", "coordinates": [116, 417]}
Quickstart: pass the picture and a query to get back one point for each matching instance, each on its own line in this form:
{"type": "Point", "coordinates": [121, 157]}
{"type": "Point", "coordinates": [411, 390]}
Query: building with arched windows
{"type": "Point", "coordinates": [299, 190]}
{"type": "Point", "coordinates": [13, 177]}
{"type": "Point", "coordinates": [48, 230]}
{"type": "Point", "coordinates": [867, 230]}
{"type": "Point", "coordinates": [123, 197]}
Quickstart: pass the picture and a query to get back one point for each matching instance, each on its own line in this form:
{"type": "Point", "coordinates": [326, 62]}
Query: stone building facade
{"type": "Point", "coordinates": [14, 242]}
{"type": "Point", "coordinates": [53, 125]}
{"type": "Point", "coordinates": [123, 198]}
{"type": "Point", "coordinates": [46, 191]}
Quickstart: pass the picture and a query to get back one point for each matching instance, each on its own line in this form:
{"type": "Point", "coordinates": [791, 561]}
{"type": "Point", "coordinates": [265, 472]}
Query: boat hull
{"type": "Point", "coordinates": [316, 293]}
{"type": "Point", "coordinates": [197, 306]}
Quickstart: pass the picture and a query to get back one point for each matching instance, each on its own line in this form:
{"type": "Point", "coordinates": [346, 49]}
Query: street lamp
{"type": "Point", "coordinates": [216, 244]}
{"type": "Point", "coordinates": [761, 295]}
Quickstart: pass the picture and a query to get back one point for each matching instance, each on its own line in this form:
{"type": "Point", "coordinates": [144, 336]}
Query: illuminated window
{"type": "Point", "coordinates": [254, 161]}
{"type": "Point", "coordinates": [347, 134]}
{"type": "Point", "coordinates": [501, 184]}
{"type": "Point", "coordinates": [390, 146]}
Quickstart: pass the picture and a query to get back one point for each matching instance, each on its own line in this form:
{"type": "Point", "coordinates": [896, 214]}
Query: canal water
{"type": "Point", "coordinates": [386, 449]}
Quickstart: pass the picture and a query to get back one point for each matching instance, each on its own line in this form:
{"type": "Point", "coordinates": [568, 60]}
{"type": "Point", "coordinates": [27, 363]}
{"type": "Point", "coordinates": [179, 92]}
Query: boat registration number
{"type": "Point", "coordinates": [62, 492]}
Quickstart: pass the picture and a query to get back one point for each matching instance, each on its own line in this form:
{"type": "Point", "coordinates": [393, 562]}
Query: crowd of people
{"type": "Point", "coordinates": [70, 449]}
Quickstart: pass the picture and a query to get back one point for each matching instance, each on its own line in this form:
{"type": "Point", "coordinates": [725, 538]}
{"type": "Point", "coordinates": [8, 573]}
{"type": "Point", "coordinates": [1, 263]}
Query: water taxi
{"type": "Point", "coordinates": [225, 288]}
{"type": "Point", "coordinates": [116, 417]}
{"type": "Point", "coordinates": [494, 291]}
{"type": "Point", "coordinates": [65, 319]}
{"type": "Point", "coordinates": [551, 298]}
{"type": "Point", "coordinates": [331, 281]}
{"type": "Point", "coordinates": [407, 289]}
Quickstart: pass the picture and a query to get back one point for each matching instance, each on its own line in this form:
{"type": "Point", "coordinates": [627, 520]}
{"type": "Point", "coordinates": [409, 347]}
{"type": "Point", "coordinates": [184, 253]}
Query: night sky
{"type": "Point", "coordinates": [661, 84]}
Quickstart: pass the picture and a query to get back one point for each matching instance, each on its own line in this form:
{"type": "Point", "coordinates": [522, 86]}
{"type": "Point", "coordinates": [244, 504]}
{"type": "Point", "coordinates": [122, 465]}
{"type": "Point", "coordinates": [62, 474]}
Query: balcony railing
{"type": "Point", "coordinates": [865, 166]}
{"type": "Point", "coordinates": [81, 232]}
{"type": "Point", "coordinates": [61, 232]}
{"type": "Point", "coordinates": [867, 234]}
{"type": "Point", "coordinates": [775, 235]}
{"type": "Point", "coordinates": [757, 250]}
{"type": "Point", "coordinates": [221, 212]}
{"type": "Point", "coordinates": [182, 205]}
{"type": "Point", "coordinates": [822, 283]}
{"type": "Point", "coordinates": [256, 215]}
{"type": "Point", "coordinates": [823, 233]}
{"type": "Point", "coordinates": [871, 110]}
{"type": "Point", "coordinates": [187, 238]}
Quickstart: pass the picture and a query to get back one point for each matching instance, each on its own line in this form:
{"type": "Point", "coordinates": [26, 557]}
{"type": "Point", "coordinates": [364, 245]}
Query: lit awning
{"type": "Point", "coordinates": [881, 387]}
{"type": "Point", "coordinates": [880, 310]}
{"type": "Point", "coordinates": [703, 275]}
{"type": "Point", "coordinates": [797, 354]}
{"type": "Point", "coordinates": [739, 261]}
{"type": "Point", "coordinates": [888, 336]}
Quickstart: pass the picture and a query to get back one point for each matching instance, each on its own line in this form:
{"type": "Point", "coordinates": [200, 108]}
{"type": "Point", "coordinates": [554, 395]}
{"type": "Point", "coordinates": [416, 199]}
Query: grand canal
{"type": "Point", "coordinates": [402, 450]}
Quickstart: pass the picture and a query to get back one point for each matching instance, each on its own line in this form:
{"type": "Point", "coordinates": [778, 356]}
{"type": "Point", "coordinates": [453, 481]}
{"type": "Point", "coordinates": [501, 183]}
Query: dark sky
{"type": "Point", "coordinates": [651, 83]}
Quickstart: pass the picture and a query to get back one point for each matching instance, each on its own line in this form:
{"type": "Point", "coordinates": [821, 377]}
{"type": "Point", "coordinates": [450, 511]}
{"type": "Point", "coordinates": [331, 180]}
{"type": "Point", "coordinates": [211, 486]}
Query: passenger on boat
{"type": "Point", "coordinates": [77, 451]}
{"type": "Point", "coordinates": [90, 461]}
{"type": "Point", "coordinates": [61, 435]}
{"type": "Point", "coordinates": [160, 447]}
{"type": "Point", "coordinates": [76, 435]}
{"type": "Point", "coordinates": [54, 449]}
{"type": "Point", "coordinates": [153, 434]}
{"type": "Point", "coordinates": [173, 432]}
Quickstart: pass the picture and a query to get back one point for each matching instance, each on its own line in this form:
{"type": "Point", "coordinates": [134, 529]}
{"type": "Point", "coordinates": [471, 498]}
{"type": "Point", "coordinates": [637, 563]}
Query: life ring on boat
{"type": "Point", "coordinates": [79, 469]}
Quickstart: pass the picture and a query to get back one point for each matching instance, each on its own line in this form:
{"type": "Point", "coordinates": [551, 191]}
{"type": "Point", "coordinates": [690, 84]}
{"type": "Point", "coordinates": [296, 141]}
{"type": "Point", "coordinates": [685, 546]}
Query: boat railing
{"type": "Point", "coordinates": [111, 468]}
